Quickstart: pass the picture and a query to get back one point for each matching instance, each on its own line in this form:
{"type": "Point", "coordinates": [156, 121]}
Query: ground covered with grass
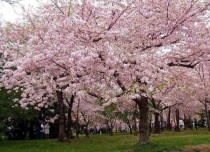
{"type": "Point", "coordinates": [186, 141]}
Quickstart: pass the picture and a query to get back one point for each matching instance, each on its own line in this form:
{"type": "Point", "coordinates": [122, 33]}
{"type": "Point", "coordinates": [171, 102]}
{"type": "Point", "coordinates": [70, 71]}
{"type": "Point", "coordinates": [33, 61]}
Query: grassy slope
{"type": "Point", "coordinates": [167, 141]}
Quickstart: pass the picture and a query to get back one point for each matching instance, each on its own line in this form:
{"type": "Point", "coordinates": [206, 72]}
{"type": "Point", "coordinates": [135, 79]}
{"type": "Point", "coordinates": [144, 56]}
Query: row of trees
{"type": "Point", "coordinates": [88, 55]}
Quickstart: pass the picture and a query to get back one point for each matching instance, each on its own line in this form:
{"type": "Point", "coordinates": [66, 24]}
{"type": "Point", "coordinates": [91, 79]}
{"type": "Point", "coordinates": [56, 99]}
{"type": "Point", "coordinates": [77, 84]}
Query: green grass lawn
{"type": "Point", "coordinates": [167, 141]}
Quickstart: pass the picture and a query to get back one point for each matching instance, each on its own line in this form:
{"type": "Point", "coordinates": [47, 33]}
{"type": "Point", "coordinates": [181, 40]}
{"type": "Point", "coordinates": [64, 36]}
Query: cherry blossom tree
{"type": "Point", "coordinates": [101, 45]}
{"type": "Point", "coordinates": [88, 110]}
{"type": "Point", "coordinates": [201, 87]}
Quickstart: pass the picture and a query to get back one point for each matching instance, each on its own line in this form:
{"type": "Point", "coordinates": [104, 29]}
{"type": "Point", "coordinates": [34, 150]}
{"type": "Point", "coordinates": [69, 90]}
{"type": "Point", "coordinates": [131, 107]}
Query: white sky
{"type": "Point", "coordinates": [12, 13]}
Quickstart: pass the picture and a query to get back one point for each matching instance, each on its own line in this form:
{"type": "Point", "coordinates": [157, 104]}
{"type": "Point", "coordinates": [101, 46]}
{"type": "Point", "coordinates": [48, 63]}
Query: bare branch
{"type": "Point", "coordinates": [167, 16]}
{"type": "Point", "coordinates": [11, 1]}
{"type": "Point", "coordinates": [57, 6]}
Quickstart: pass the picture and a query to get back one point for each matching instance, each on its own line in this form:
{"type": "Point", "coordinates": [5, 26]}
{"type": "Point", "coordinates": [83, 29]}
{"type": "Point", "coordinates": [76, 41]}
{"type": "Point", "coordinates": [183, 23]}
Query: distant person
{"type": "Point", "coordinates": [42, 130]}
{"type": "Point", "coordinates": [196, 123]}
{"type": "Point", "coordinates": [47, 130]}
{"type": "Point", "coordinates": [100, 130]}
{"type": "Point", "coordinates": [181, 124]}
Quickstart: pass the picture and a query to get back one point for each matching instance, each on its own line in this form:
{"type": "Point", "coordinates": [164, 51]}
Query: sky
{"type": "Point", "coordinates": [12, 13]}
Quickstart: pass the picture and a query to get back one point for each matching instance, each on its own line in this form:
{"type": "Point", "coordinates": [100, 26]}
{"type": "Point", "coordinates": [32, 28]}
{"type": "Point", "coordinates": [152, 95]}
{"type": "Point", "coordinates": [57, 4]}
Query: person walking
{"type": "Point", "coordinates": [47, 130]}
{"type": "Point", "coordinates": [42, 130]}
{"type": "Point", "coordinates": [181, 124]}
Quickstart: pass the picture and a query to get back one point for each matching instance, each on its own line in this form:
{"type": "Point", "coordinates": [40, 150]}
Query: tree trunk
{"type": "Point", "coordinates": [185, 122]}
{"type": "Point", "coordinates": [157, 124]}
{"type": "Point", "coordinates": [144, 120]}
{"type": "Point", "coordinates": [69, 125]}
{"type": "Point", "coordinates": [109, 127]}
{"type": "Point", "coordinates": [130, 128]}
{"type": "Point", "coordinates": [77, 128]}
{"type": "Point", "coordinates": [208, 120]}
{"type": "Point", "coordinates": [169, 119]}
{"type": "Point", "coordinates": [150, 122]}
{"type": "Point", "coordinates": [207, 115]}
{"type": "Point", "coordinates": [77, 121]}
{"type": "Point", "coordinates": [162, 123]}
{"type": "Point", "coordinates": [86, 130]}
{"type": "Point", "coordinates": [69, 121]}
{"type": "Point", "coordinates": [177, 128]}
{"type": "Point", "coordinates": [110, 131]}
{"type": "Point", "coordinates": [190, 122]}
{"type": "Point", "coordinates": [62, 118]}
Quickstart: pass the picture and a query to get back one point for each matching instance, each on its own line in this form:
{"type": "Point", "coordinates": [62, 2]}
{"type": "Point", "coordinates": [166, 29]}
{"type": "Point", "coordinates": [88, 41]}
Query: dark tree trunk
{"type": "Point", "coordinates": [177, 128]}
{"type": "Point", "coordinates": [109, 127]}
{"type": "Point", "coordinates": [157, 123]}
{"type": "Point", "coordinates": [150, 122]}
{"type": "Point", "coordinates": [86, 130]}
{"type": "Point", "coordinates": [169, 119]}
{"type": "Point", "coordinates": [86, 121]}
{"type": "Point", "coordinates": [128, 122]}
{"type": "Point", "coordinates": [208, 121]}
{"type": "Point", "coordinates": [77, 128]}
{"type": "Point", "coordinates": [62, 118]}
{"type": "Point", "coordinates": [69, 125]}
{"type": "Point", "coordinates": [190, 125]}
{"type": "Point", "coordinates": [69, 121]}
{"type": "Point", "coordinates": [144, 120]}
{"type": "Point", "coordinates": [207, 115]}
{"type": "Point", "coordinates": [77, 121]}
{"type": "Point", "coordinates": [130, 128]}
{"type": "Point", "coordinates": [185, 122]}
{"type": "Point", "coordinates": [162, 123]}
{"type": "Point", "coordinates": [110, 131]}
